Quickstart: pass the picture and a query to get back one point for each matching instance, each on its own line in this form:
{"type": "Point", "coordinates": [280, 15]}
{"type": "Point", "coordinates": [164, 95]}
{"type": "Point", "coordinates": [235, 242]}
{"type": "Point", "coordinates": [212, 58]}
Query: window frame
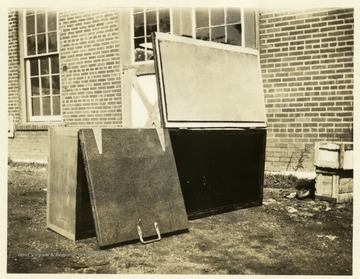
{"type": "Point", "coordinates": [25, 60]}
{"type": "Point", "coordinates": [242, 22]}
{"type": "Point", "coordinates": [132, 24]}
{"type": "Point", "coordinates": [174, 22]}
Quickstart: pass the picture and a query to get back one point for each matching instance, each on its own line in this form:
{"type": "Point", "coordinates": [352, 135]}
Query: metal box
{"type": "Point", "coordinates": [211, 100]}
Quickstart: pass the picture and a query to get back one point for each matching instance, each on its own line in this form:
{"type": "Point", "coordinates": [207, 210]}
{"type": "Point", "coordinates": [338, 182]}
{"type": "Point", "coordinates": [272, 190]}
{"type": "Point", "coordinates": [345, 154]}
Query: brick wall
{"type": "Point", "coordinates": [306, 59]}
{"type": "Point", "coordinates": [89, 49]}
{"type": "Point", "coordinates": [13, 61]}
{"type": "Point", "coordinates": [91, 85]}
{"type": "Point", "coordinates": [307, 66]}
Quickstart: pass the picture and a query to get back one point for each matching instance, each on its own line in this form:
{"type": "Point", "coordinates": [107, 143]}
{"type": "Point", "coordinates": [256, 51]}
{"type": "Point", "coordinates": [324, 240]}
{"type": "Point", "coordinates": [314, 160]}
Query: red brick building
{"type": "Point", "coordinates": [72, 68]}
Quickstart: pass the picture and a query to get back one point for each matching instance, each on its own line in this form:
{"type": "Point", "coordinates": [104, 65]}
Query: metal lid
{"type": "Point", "coordinates": [207, 84]}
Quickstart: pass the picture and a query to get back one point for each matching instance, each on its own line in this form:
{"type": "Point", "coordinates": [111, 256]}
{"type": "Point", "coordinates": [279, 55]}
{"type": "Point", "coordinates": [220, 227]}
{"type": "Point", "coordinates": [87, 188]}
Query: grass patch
{"type": "Point", "coordinates": [281, 181]}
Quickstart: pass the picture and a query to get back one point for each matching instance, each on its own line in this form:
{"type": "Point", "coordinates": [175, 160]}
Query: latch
{"type": "Point", "coordinates": [151, 240]}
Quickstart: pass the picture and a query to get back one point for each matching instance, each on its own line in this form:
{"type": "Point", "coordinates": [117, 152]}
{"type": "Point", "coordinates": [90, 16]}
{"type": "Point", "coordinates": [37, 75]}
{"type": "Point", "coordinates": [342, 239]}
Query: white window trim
{"type": "Point", "coordinates": [26, 58]}
{"type": "Point", "coordinates": [243, 43]}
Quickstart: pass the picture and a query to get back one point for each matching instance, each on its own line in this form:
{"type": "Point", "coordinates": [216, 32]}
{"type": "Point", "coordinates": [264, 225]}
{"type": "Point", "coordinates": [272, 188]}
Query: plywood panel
{"type": "Point", "coordinates": [202, 82]}
{"type": "Point", "coordinates": [68, 203]}
{"type": "Point", "coordinates": [61, 191]}
{"type": "Point", "coordinates": [132, 183]}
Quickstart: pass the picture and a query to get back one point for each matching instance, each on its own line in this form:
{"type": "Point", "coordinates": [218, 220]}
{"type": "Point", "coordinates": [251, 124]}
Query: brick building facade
{"type": "Point", "coordinates": [306, 59]}
{"type": "Point", "coordinates": [307, 64]}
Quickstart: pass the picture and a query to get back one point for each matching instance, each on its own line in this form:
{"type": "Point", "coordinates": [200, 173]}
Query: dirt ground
{"type": "Point", "coordinates": [282, 237]}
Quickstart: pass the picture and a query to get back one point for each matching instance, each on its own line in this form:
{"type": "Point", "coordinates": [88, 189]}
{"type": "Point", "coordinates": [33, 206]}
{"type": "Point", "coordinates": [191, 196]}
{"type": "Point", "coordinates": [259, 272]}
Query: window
{"type": "Point", "coordinates": [219, 25]}
{"type": "Point", "coordinates": [42, 65]}
{"type": "Point", "coordinates": [146, 21]}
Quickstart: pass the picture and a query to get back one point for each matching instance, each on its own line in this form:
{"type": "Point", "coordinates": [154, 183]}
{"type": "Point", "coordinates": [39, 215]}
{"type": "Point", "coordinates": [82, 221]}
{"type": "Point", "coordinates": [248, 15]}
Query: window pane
{"type": "Point", "coordinates": [139, 25]}
{"type": "Point", "coordinates": [35, 87]}
{"type": "Point", "coordinates": [52, 41]}
{"type": "Point", "coordinates": [139, 51]}
{"type": "Point", "coordinates": [218, 34]}
{"type": "Point", "coordinates": [52, 21]}
{"type": "Point", "coordinates": [54, 65]}
{"type": "Point", "coordinates": [31, 48]}
{"type": "Point", "coordinates": [203, 34]}
{"type": "Point", "coordinates": [30, 12]}
{"type": "Point", "coordinates": [164, 18]}
{"type": "Point", "coordinates": [41, 43]}
{"type": "Point", "coordinates": [44, 65]}
{"type": "Point", "coordinates": [46, 106]}
{"type": "Point", "coordinates": [40, 23]}
{"type": "Point", "coordinates": [151, 25]}
{"type": "Point", "coordinates": [145, 23]}
{"type": "Point", "coordinates": [35, 106]}
{"type": "Point", "coordinates": [234, 34]}
{"type": "Point", "coordinates": [34, 67]}
{"type": "Point", "coordinates": [139, 43]}
{"type": "Point", "coordinates": [30, 25]}
{"type": "Point", "coordinates": [217, 16]}
{"type": "Point", "coordinates": [233, 15]}
{"type": "Point", "coordinates": [202, 17]}
{"type": "Point", "coordinates": [56, 105]}
{"type": "Point", "coordinates": [55, 85]}
{"type": "Point", "coordinates": [45, 86]}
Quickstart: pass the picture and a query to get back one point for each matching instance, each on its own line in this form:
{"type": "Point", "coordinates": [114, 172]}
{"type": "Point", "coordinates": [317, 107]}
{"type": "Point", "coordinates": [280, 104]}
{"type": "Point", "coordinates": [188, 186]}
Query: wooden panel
{"type": "Point", "coordinates": [68, 202]}
{"type": "Point", "coordinates": [182, 21]}
{"type": "Point", "coordinates": [125, 36]}
{"type": "Point", "coordinates": [335, 184]}
{"type": "Point", "coordinates": [204, 82]}
{"type": "Point", "coordinates": [324, 185]}
{"type": "Point", "coordinates": [10, 126]}
{"type": "Point", "coordinates": [346, 156]}
{"type": "Point", "coordinates": [345, 185]}
{"type": "Point", "coordinates": [132, 183]}
{"type": "Point", "coordinates": [345, 197]}
{"type": "Point", "coordinates": [249, 28]}
{"type": "Point", "coordinates": [176, 20]}
{"type": "Point", "coordinates": [335, 155]}
{"type": "Point", "coordinates": [61, 191]}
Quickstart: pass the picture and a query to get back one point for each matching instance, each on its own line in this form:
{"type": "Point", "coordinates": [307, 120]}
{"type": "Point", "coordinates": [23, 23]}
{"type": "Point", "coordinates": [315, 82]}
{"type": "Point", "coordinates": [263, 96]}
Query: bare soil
{"type": "Point", "coordinates": [314, 239]}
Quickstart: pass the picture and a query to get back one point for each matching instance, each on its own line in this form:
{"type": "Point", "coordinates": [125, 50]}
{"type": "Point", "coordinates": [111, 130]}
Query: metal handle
{"type": "Point", "coordinates": [151, 240]}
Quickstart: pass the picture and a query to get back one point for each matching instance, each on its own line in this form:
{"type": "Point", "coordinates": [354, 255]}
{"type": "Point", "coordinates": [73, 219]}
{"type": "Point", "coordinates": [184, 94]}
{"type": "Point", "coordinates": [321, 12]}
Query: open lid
{"type": "Point", "coordinates": [207, 84]}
